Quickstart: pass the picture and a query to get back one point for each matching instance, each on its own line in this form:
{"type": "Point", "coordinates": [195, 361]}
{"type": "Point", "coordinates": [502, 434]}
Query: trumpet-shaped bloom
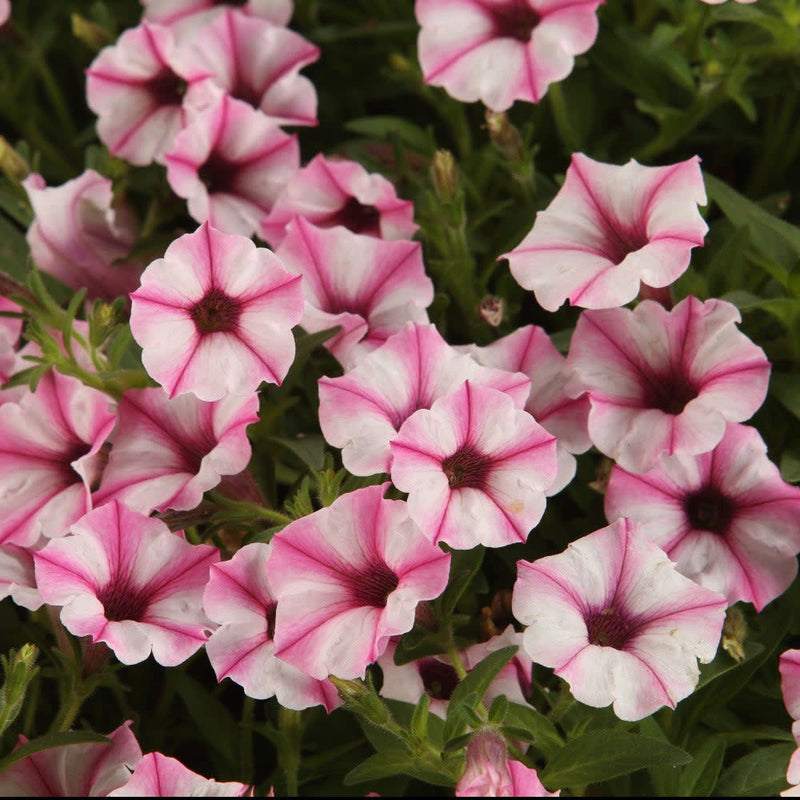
{"type": "Point", "coordinates": [157, 775]}
{"type": "Point", "coordinates": [665, 381]}
{"type": "Point", "coordinates": [790, 688]}
{"type": "Point", "coordinates": [214, 316]}
{"type": "Point", "coordinates": [530, 351]}
{"type": "Point", "coordinates": [609, 229]}
{"type": "Point", "coordinates": [81, 236]}
{"type": "Point", "coordinates": [436, 676]}
{"type": "Point", "coordinates": [726, 518]}
{"type": "Point", "coordinates": [238, 597]}
{"type": "Point", "coordinates": [166, 452]}
{"type": "Point", "coordinates": [185, 17]}
{"type": "Point", "coordinates": [258, 63]}
{"type": "Point", "coordinates": [490, 772]}
{"type": "Point", "coordinates": [91, 769]}
{"type": "Point", "coordinates": [368, 286]}
{"type": "Point", "coordinates": [614, 618]}
{"type": "Point", "coordinates": [136, 88]}
{"type": "Point", "coordinates": [336, 191]}
{"type": "Point", "coordinates": [475, 468]}
{"type": "Point", "coordinates": [17, 576]}
{"type": "Point", "coordinates": [347, 578]}
{"type": "Point", "coordinates": [499, 51]}
{"type": "Point", "coordinates": [229, 161]}
{"type": "Point", "coordinates": [362, 410]}
{"type": "Point", "coordinates": [124, 579]}
{"type": "Point", "coordinates": [51, 457]}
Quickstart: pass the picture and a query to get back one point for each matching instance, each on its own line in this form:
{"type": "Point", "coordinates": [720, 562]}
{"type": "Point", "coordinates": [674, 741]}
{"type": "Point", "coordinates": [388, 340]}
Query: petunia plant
{"type": "Point", "coordinates": [399, 398]}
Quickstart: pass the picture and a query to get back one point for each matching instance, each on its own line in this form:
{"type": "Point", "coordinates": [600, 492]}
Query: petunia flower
{"type": "Point", "coordinates": [610, 229]}
{"type": "Point", "coordinates": [475, 467]}
{"type": "Point", "coordinates": [336, 191]}
{"type": "Point", "coordinates": [239, 599]}
{"type": "Point", "coordinates": [52, 456]}
{"type": "Point", "coordinates": [665, 381]}
{"type": "Point", "coordinates": [362, 410]}
{"type": "Point", "coordinates": [124, 579]}
{"type": "Point", "coordinates": [157, 775]}
{"type": "Point", "coordinates": [215, 316]}
{"type": "Point", "coordinates": [88, 769]}
{"type": "Point", "coordinates": [346, 579]}
{"type": "Point", "coordinates": [726, 518]}
{"type": "Point", "coordinates": [82, 236]}
{"type": "Point", "coordinates": [789, 666]}
{"type": "Point", "coordinates": [258, 63]}
{"type": "Point", "coordinates": [185, 17]}
{"type": "Point", "coordinates": [367, 286]}
{"type": "Point", "coordinates": [436, 676]}
{"type": "Point", "coordinates": [166, 452]}
{"type": "Point", "coordinates": [491, 773]}
{"type": "Point", "coordinates": [230, 161]}
{"type": "Point", "coordinates": [17, 575]}
{"type": "Point", "coordinates": [136, 87]}
{"type": "Point", "coordinates": [614, 618]}
{"type": "Point", "coordinates": [499, 51]}
{"type": "Point", "coordinates": [530, 351]}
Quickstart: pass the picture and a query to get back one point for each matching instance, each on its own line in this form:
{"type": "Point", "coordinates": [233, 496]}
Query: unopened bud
{"type": "Point", "coordinates": [492, 309]}
{"type": "Point", "coordinates": [734, 632]}
{"type": "Point", "coordinates": [90, 33]}
{"type": "Point", "coordinates": [504, 135]}
{"type": "Point", "coordinates": [399, 63]}
{"type": "Point", "coordinates": [445, 175]}
{"type": "Point", "coordinates": [12, 163]}
{"type": "Point", "coordinates": [359, 698]}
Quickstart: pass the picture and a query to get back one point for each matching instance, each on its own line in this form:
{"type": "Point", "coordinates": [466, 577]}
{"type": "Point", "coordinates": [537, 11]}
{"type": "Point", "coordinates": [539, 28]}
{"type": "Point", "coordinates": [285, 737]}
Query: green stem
{"type": "Point", "coordinates": [566, 131]}
{"type": "Point", "coordinates": [289, 749]}
{"type": "Point", "coordinates": [246, 742]}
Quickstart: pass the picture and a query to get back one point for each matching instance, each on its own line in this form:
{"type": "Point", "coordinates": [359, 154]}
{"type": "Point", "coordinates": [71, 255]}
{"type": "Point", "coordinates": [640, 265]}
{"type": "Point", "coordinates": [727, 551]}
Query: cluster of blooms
{"type": "Point", "coordinates": [477, 437]}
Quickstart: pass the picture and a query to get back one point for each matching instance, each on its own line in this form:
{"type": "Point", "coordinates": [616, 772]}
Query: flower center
{"type": "Point", "coordinates": [270, 614]}
{"type": "Point", "coordinates": [438, 678]}
{"type": "Point", "coordinates": [609, 627]}
{"type": "Point", "coordinates": [372, 586]}
{"type": "Point", "coordinates": [166, 88]}
{"type": "Point", "coordinates": [514, 20]}
{"type": "Point", "coordinates": [709, 510]}
{"type": "Point", "coordinates": [216, 312]}
{"type": "Point", "coordinates": [671, 393]}
{"type": "Point", "coordinates": [121, 601]}
{"type": "Point", "coordinates": [355, 216]}
{"type": "Point", "coordinates": [218, 174]}
{"type": "Point", "coordinates": [466, 469]}
{"type": "Point", "coordinates": [621, 241]}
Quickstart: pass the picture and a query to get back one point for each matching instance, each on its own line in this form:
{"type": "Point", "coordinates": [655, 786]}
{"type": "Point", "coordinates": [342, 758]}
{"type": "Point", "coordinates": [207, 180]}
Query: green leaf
{"type": "Point", "coordinates": [605, 754]}
{"type": "Point", "coordinates": [397, 762]}
{"type": "Point", "coordinates": [13, 250]}
{"type": "Point", "coordinates": [49, 741]}
{"type": "Point", "coordinates": [700, 776]}
{"type": "Point", "coordinates": [464, 564]}
{"type": "Point", "coordinates": [387, 127]}
{"type": "Point", "coordinates": [758, 774]}
{"type": "Point", "coordinates": [786, 387]}
{"type": "Point", "coordinates": [419, 720]}
{"type": "Point", "coordinates": [309, 448]}
{"type": "Point", "coordinates": [541, 732]}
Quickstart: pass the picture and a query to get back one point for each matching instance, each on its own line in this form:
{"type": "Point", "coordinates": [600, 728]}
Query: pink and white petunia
{"type": "Point", "coordinates": [499, 51]}
{"type": "Point", "coordinates": [529, 350]}
{"type": "Point", "coordinates": [215, 316]}
{"type": "Point", "coordinates": [230, 162]}
{"type": "Point", "coordinates": [186, 17]}
{"type": "Point", "coordinates": [82, 236]}
{"type": "Point", "coordinates": [436, 676]}
{"type": "Point", "coordinates": [491, 773]}
{"type": "Point", "coordinates": [157, 775]}
{"type": "Point", "coordinates": [5, 11]}
{"type": "Point", "coordinates": [90, 769]}
{"type": "Point", "coordinates": [367, 286]}
{"type": "Point", "coordinates": [789, 666]}
{"type": "Point", "coordinates": [52, 456]}
{"type": "Point", "coordinates": [362, 410]}
{"type": "Point", "coordinates": [238, 597]}
{"type": "Point", "coordinates": [258, 63]}
{"type": "Point", "coordinates": [166, 452]}
{"type": "Point", "coordinates": [136, 88]}
{"type": "Point", "coordinates": [665, 381]}
{"type": "Point", "coordinates": [726, 518]}
{"type": "Point", "coordinates": [611, 229]}
{"type": "Point", "coordinates": [347, 578]}
{"type": "Point", "coordinates": [17, 576]}
{"type": "Point", "coordinates": [10, 330]}
{"type": "Point", "coordinates": [614, 618]}
{"type": "Point", "coordinates": [336, 191]}
{"type": "Point", "coordinates": [475, 467]}
{"type": "Point", "coordinates": [124, 579]}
